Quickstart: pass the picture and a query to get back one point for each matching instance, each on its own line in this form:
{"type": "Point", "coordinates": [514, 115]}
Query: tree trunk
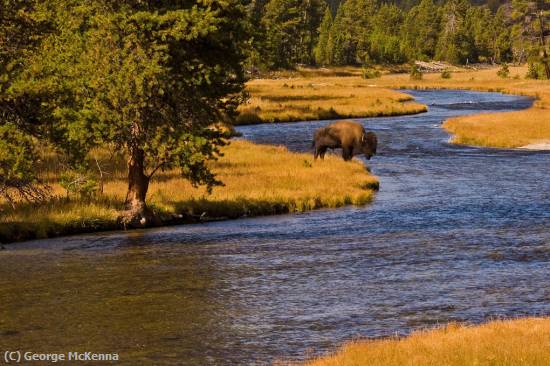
{"type": "Point", "coordinates": [137, 213]}
{"type": "Point", "coordinates": [544, 54]}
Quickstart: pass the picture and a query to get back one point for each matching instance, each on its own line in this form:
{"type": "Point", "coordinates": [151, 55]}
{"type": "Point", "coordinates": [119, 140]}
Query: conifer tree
{"type": "Point", "coordinates": [453, 43]}
{"type": "Point", "coordinates": [421, 29]}
{"type": "Point", "coordinates": [321, 51]}
{"type": "Point", "coordinates": [529, 32]}
{"type": "Point", "coordinates": [141, 76]}
{"type": "Point", "coordinates": [21, 31]}
{"type": "Point", "coordinates": [291, 31]}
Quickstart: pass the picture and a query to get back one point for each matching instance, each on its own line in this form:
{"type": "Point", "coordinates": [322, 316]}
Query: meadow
{"type": "Point", "coordinates": [507, 129]}
{"type": "Point", "coordinates": [523, 342]}
{"type": "Point", "coordinates": [313, 94]}
{"type": "Point", "coordinates": [321, 96]}
{"type": "Point", "coordinates": [259, 180]}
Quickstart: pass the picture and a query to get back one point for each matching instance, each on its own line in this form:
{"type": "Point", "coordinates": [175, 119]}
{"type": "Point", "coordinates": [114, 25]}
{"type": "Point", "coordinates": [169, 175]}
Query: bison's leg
{"type": "Point", "coordinates": [315, 153]}
{"type": "Point", "coordinates": [322, 151]}
{"type": "Point", "coordinates": [347, 153]}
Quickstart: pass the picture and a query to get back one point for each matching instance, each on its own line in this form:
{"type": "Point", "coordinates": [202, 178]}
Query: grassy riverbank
{"type": "Point", "coordinates": [507, 129]}
{"type": "Point", "coordinates": [310, 94]}
{"type": "Point", "coordinates": [523, 342]}
{"type": "Point", "coordinates": [314, 97]}
{"type": "Point", "coordinates": [259, 180]}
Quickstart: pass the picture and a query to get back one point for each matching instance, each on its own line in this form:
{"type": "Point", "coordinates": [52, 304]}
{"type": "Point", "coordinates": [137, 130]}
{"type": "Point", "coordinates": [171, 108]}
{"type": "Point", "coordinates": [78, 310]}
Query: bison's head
{"type": "Point", "coordinates": [369, 143]}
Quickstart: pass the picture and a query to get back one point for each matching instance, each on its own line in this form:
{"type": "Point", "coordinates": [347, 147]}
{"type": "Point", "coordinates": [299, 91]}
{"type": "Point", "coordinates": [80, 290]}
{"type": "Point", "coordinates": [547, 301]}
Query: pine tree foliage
{"type": "Point", "coordinates": [147, 77]}
{"type": "Point", "coordinates": [321, 50]}
{"type": "Point", "coordinates": [355, 32]}
{"type": "Point", "coordinates": [291, 31]}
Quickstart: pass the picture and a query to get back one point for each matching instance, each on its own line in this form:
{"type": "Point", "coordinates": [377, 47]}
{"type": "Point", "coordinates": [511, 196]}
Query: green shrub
{"type": "Point", "coordinates": [79, 183]}
{"type": "Point", "coordinates": [535, 71]}
{"type": "Point", "coordinates": [415, 73]}
{"type": "Point", "coordinates": [370, 73]}
{"type": "Point", "coordinates": [504, 71]}
{"type": "Point", "coordinates": [446, 74]}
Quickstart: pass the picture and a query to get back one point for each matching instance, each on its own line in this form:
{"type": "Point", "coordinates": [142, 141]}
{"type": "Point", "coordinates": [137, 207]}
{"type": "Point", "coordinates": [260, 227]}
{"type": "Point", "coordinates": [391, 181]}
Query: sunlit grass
{"type": "Point", "coordinates": [312, 94]}
{"type": "Point", "coordinates": [321, 97]}
{"type": "Point", "coordinates": [509, 129]}
{"type": "Point", "coordinates": [259, 180]}
{"type": "Point", "coordinates": [523, 342]}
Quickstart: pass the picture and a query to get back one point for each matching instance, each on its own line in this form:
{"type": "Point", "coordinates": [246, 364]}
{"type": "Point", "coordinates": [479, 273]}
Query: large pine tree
{"type": "Point", "coordinates": [291, 29]}
{"type": "Point", "coordinates": [421, 29]}
{"type": "Point", "coordinates": [145, 77]}
{"type": "Point", "coordinates": [321, 50]}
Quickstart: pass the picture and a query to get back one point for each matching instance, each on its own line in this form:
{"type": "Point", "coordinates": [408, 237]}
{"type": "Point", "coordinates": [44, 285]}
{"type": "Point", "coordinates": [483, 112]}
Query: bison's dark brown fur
{"type": "Point", "coordinates": [348, 135]}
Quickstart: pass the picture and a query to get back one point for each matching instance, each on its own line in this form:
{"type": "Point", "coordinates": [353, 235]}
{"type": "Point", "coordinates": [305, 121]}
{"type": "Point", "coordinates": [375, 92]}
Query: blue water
{"type": "Point", "coordinates": [455, 233]}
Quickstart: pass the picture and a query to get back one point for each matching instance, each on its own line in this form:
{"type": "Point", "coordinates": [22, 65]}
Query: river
{"type": "Point", "coordinates": [455, 234]}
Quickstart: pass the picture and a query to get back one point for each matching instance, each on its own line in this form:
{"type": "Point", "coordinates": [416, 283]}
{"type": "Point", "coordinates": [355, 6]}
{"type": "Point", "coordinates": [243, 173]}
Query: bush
{"type": "Point", "coordinates": [415, 74]}
{"type": "Point", "coordinates": [535, 71]}
{"type": "Point", "coordinates": [446, 74]}
{"type": "Point", "coordinates": [249, 116]}
{"type": "Point", "coordinates": [80, 183]}
{"type": "Point", "coordinates": [504, 71]}
{"type": "Point", "coordinates": [370, 73]}
{"type": "Point", "coordinates": [18, 178]}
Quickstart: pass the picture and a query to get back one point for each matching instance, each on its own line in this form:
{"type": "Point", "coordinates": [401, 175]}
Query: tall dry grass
{"type": "Point", "coordinates": [259, 180]}
{"type": "Point", "coordinates": [524, 342]}
{"type": "Point", "coordinates": [314, 97]}
{"type": "Point", "coordinates": [312, 94]}
{"type": "Point", "coordinates": [508, 129]}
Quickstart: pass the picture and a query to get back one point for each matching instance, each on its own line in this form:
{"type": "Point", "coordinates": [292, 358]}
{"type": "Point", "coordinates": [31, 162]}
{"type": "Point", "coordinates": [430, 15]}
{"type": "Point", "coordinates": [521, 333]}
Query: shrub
{"type": "Point", "coordinates": [249, 116]}
{"type": "Point", "coordinates": [415, 74]}
{"type": "Point", "coordinates": [504, 71]}
{"type": "Point", "coordinates": [80, 183]}
{"type": "Point", "coordinates": [446, 74]}
{"type": "Point", "coordinates": [535, 71]}
{"type": "Point", "coordinates": [18, 178]}
{"type": "Point", "coordinates": [370, 73]}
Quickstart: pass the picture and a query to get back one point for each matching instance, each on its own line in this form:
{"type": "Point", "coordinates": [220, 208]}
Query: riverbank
{"type": "Point", "coordinates": [259, 180]}
{"type": "Point", "coordinates": [523, 342]}
{"type": "Point", "coordinates": [504, 130]}
{"type": "Point", "coordinates": [318, 97]}
{"type": "Point", "coordinates": [318, 94]}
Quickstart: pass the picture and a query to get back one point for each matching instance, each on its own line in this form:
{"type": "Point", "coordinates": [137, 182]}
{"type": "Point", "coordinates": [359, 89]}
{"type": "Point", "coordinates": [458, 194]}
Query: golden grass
{"type": "Point", "coordinates": [508, 129]}
{"type": "Point", "coordinates": [311, 94]}
{"type": "Point", "coordinates": [321, 97]}
{"type": "Point", "coordinates": [259, 180]}
{"type": "Point", "coordinates": [524, 342]}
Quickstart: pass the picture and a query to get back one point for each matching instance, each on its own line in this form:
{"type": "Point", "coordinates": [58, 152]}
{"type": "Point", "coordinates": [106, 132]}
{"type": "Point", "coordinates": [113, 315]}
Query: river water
{"type": "Point", "coordinates": [455, 234]}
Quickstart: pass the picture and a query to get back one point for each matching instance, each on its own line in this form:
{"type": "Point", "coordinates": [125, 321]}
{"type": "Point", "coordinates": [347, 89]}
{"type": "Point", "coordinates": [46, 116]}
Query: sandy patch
{"type": "Point", "coordinates": [545, 145]}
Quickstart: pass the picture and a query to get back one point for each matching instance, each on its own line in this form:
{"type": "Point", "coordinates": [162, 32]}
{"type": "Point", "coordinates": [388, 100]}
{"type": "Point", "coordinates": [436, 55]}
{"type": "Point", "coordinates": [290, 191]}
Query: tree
{"type": "Point", "coordinates": [349, 35]}
{"type": "Point", "coordinates": [291, 31]}
{"type": "Point", "coordinates": [321, 49]}
{"type": "Point", "coordinates": [454, 43]}
{"type": "Point", "coordinates": [421, 29]}
{"type": "Point", "coordinates": [17, 162]}
{"type": "Point", "coordinates": [500, 44]}
{"type": "Point", "coordinates": [529, 31]}
{"type": "Point", "coordinates": [146, 77]}
{"type": "Point", "coordinates": [543, 11]}
{"type": "Point", "coordinates": [19, 36]}
{"type": "Point", "coordinates": [256, 51]}
{"type": "Point", "coordinates": [385, 45]}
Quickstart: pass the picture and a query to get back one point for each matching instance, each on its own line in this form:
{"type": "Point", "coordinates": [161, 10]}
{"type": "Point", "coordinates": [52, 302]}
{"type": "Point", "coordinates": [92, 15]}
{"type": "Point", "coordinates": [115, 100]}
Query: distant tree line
{"type": "Point", "coordinates": [358, 32]}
